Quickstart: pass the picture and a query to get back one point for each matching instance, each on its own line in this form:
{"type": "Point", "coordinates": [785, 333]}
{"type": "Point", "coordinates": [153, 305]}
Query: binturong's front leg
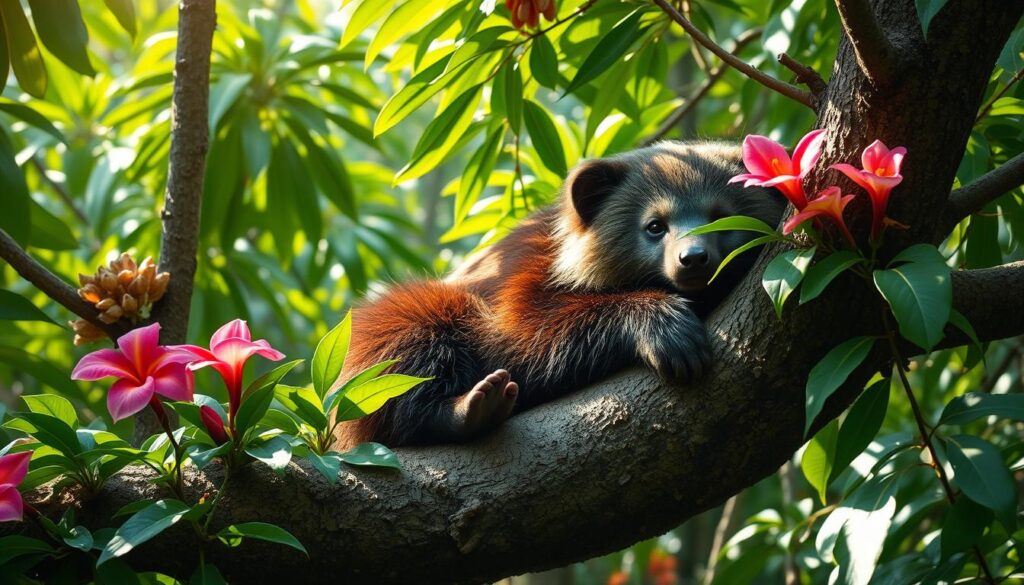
{"type": "Point", "coordinates": [571, 339]}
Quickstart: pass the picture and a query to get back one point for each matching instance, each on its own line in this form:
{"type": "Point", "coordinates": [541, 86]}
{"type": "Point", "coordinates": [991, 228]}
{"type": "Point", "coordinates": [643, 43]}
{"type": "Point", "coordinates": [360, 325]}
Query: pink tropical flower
{"type": "Point", "coordinates": [829, 203]}
{"type": "Point", "coordinates": [769, 165]}
{"type": "Point", "coordinates": [13, 469]}
{"type": "Point", "coordinates": [230, 347]}
{"type": "Point", "coordinates": [214, 424]}
{"type": "Point", "coordinates": [144, 369]}
{"type": "Point", "coordinates": [879, 176]}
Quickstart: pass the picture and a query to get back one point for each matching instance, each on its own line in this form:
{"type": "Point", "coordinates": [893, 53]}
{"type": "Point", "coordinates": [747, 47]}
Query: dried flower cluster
{"type": "Point", "coordinates": [121, 290]}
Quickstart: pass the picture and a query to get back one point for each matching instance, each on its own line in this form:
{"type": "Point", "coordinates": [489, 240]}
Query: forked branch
{"type": "Point", "coordinates": [974, 196]}
{"type": "Point", "coordinates": [876, 56]}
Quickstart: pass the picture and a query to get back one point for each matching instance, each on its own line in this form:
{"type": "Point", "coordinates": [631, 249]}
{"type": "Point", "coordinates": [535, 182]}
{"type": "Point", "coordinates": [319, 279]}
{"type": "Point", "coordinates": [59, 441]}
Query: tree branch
{"type": "Point", "coordinates": [988, 105]}
{"type": "Point", "coordinates": [791, 91]}
{"type": "Point", "coordinates": [52, 285]}
{"type": "Point", "coordinates": [686, 107]}
{"type": "Point", "coordinates": [876, 56]}
{"type": "Point", "coordinates": [974, 196]}
{"type": "Point", "coordinates": [804, 74]}
{"type": "Point", "coordinates": [189, 141]}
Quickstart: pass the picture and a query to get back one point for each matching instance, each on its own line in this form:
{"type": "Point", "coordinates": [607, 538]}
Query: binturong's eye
{"type": "Point", "coordinates": [656, 228]}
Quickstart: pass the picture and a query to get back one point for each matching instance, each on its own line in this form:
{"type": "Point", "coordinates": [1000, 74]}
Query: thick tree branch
{"type": "Point", "coordinates": [876, 56]}
{"type": "Point", "coordinates": [791, 91]}
{"type": "Point", "coordinates": [974, 196]}
{"type": "Point", "coordinates": [189, 140]}
{"type": "Point", "coordinates": [51, 284]}
{"type": "Point", "coordinates": [804, 74]}
{"type": "Point", "coordinates": [686, 107]}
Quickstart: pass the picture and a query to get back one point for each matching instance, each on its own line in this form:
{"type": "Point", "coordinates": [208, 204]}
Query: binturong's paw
{"type": "Point", "coordinates": [676, 344]}
{"type": "Point", "coordinates": [486, 405]}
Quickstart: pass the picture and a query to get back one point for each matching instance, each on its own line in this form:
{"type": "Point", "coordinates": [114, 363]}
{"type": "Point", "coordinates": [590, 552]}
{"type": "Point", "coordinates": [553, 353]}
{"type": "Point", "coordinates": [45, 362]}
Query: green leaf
{"type": "Point", "coordinates": [920, 295]}
{"type": "Point", "coordinates": [544, 62]}
{"type": "Point", "coordinates": [80, 539]}
{"type": "Point", "coordinates": [144, 525]}
{"type": "Point", "coordinates": [48, 430]}
{"type": "Point", "coordinates": [513, 81]}
{"type": "Point", "coordinates": [329, 357]}
{"type": "Point", "coordinates": [328, 464]}
{"type": "Point", "coordinates": [357, 380]}
{"type": "Point", "coordinates": [124, 12]}
{"type": "Point", "coordinates": [223, 94]}
{"type": "Point", "coordinates": [861, 425]}
{"type": "Point", "coordinates": [829, 374]}
{"type": "Point", "coordinates": [974, 405]}
{"type": "Point", "coordinates": [926, 11]}
{"type": "Point", "coordinates": [869, 515]}
{"type": "Point", "coordinates": [369, 12]}
{"type": "Point", "coordinates": [304, 402]}
{"type": "Point", "coordinates": [818, 458]}
{"type": "Point", "coordinates": [824, 271]}
{"type": "Point", "coordinates": [16, 545]}
{"type": "Point", "coordinates": [408, 16]}
{"type": "Point", "coordinates": [61, 29]}
{"type": "Point", "coordinates": [608, 50]}
{"type": "Point", "coordinates": [958, 320]}
{"type": "Point", "coordinates": [49, 232]}
{"type": "Point", "coordinates": [39, 369]}
{"type": "Point", "coordinates": [544, 136]}
{"type": "Point", "coordinates": [30, 117]}
{"type": "Point", "coordinates": [275, 452]}
{"type": "Point", "coordinates": [370, 455]}
{"type": "Point", "coordinates": [784, 273]}
{"type": "Point", "coordinates": [735, 222]}
{"type": "Point", "coordinates": [16, 218]}
{"type": "Point", "coordinates": [52, 405]}
{"type": "Point", "coordinates": [202, 457]}
{"type": "Point", "coordinates": [920, 253]}
{"type": "Point", "coordinates": [441, 135]}
{"type": "Point", "coordinates": [759, 241]}
{"type": "Point", "coordinates": [257, 397]}
{"type": "Point", "coordinates": [982, 475]}
{"type": "Point", "coordinates": [26, 59]}
{"type": "Point", "coordinates": [478, 172]}
{"type": "Point", "coordinates": [370, 396]}
{"type": "Point", "coordinates": [964, 525]}
{"type": "Point", "coordinates": [14, 307]}
{"type": "Point", "coordinates": [207, 574]}
{"type": "Point", "coordinates": [233, 534]}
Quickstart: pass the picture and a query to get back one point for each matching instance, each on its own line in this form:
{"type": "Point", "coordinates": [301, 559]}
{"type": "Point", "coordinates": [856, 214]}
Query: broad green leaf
{"type": "Point", "coordinates": [735, 222]}
{"type": "Point", "coordinates": [544, 137]}
{"type": "Point", "coordinates": [26, 59]}
{"type": "Point", "coordinates": [926, 11]}
{"type": "Point", "coordinates": [16, 218]}
{"type": "Point", "coordinates": [16, 545]}
{"type": "Point", "coordinates": [257, 397]}
{"type": "Point", "coordinates": [824, 271]}
{"type": "Point", "coordinates": [53, 405]}
{"type": "Point", "coordinates": [328, 464]}
{"type": "Point", "coordinates": [49, 232]}
{"type": "Point", "coordinates": [544, 62]}
{"type": "Point", "coordinates": [409, 16]}
{"type": "Point", "coordinates": [31, 117]}
{"type": "Point", "coordinates": [608, 50]}
{"type": "Point", "coordinates": [513, 86]}
{"type": "Point", "coordinates": [921, 253]}
{"type": "Point", "coordinates": [829, 374]}
{"type": "Point", "coordinates": [759, 241]}
{"type": "Point", "coordinates": [982, 475]}
{"type": "Point", "coordinates": [357, 380]}
{"type": "Point", "coordinates": [14, 307]}
{"type": "Point", "coordinates": [368, 12]}
{"type": "Point", "coordinates": [441, 135]}
{"type": "Point", "coordinates": [234, 533]}
{"type": "Point", "coordinates": [819, 456]}
{"type": "Point", "coordinates": [304, 402]}
{"type": "Point", "coordinates": [861, 425]}
{"type": "Point", "coordinates": [964, 525]}
{"type": "Point", "coordinates": [784, 273]}
{"type": "Point", "coordinates": [292, 189]}
{"type": "Point", "coordinates": [141, 527]}
{"type": "Point", "coordinates": [477, 172]}
{"type": "Point", "coordinates": [223, 94]}
{"type": "Point", "coordinates": [202, 457]}
{"type": "Point", "coordinates": [275, 452]}
{"type": "Point", "coordinates": [80, 538]}
{"type": "Point", "coordinates": [61, 29]}
{"type": "Point", "coordinates": [370, 396]}
{"type": "Point", "coordinates": [124, 12]}
{"type": "Point", "coordinates": [920, 295]}
{"type": "Point", "coordinates": [370, 455]}
{"type": "Point", "coordinates": [869, 516]}
{"type": "Point", "coordinates": [48, 430]}
{"type": "Point", "coordinates": [974, 405]}
{"type": "Point", "coordinates": [329, 357]}
{"type": "Point", "coordinates": [207, 574]}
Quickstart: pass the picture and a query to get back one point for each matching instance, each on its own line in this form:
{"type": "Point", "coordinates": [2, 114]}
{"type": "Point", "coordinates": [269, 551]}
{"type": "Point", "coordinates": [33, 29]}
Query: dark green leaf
{"type": "Point", "coordinates": [926, 11]}
{"type": "Point", "coordinates": [30, 117]}
{"type": "Point", "coordinates": [16, 545]}
{"type": "Point", "coordinates": [275, 452]}
{"type": "Point", "coordinates": [49, 232]}
{"type": "Point", "coordinates": [16, 218]}
{"type": "Point", "coordinates": [48, 430]}
{"type": "Point", "coordinates": [260, 531]}
{"type": "Point", "coordinates": [144, 525]}
{"type": "Point", "coordinates": [964, 525]}
{"type": "Point", "coordinates": [329, 357]}
{"type": "Point", "coordinates": [207, 574]}
{"type": "Point", "coordinates": [14, 307]}
{"type": "Point", "coordinates": [124, 12]}
{"type": "Point", "coordinates": [370, 454]}
{"type": "Point", "coordinates": [829, 374]}
{"type": "Point", "coordinates": [759, 241]}
{"type": "Point", "coordinates": [26, 59]}
{"type": "Point", "coordinates": [544, 62]}
{"type": "Point", "coordinates": [982, 475]}
{"type": "Point", "coordinates": [328, 464]}
{"type": "Point", "coordinates": [513, 97]}
{"type": "Point", "coordinates": [223, 95]}
{"type": "Point", "coordinates": [920, 295]}
{"type": "Point", "coordinates": [974, 405]}
{"type": "Point", "coordinates": [824, 271]}
{"type": "Point", "coordinates": [608, 50]}
{"type": "Point", "coordinates": [784, 273]}
{"type": "Point", "coordinates": [80, 539]}
{"type": "Point", "coordinates": [861, 425]}
{"type": "Point", "coordinates": [60, 27]}
{"type": "Point", "coordinates": [257, 397]}
{"type": "Point", "coordinates": [544, 136]}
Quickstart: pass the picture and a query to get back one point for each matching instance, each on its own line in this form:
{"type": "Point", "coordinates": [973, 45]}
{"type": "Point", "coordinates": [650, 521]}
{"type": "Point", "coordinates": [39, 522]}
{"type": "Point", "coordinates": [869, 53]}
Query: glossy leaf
{"type": "Point", "coordinates": [544, 137]}
{"type": "Point", "coordinates": [735, 222]}
{"type": "Point", "coordinates": [974, 405]}
{"type": "Point", "coordinates": [370, 396]}
{"type": "Point", "coordinates": [26, 58]}
{"type": "Point", "coordinates": [983, 476]}
{"type": "Point", "coordinates": [920, 295]}
{"type": "Point", "coordinates": [257, 397]}
{"type": "Point", "coordinates": [824, 271]}
{"type": "Point", "coordinates": [275, 452]}
{"type": "Point", "coordinates": [141, 527]}
{"type": "Point", "coordinates": [370, 455]}
{"type": "Point", "coordinates": [233, 534]}
{"type": "Point", "coordinates": [329, 357]}
{"type": "Point", "coordinates": [784, 273]}
{"type": "Point", "coordinates": [14, 307]}
{"type": "Point", "coordinates": [963, 527]}
{"type": "Point", "coordinates": [861, 425]}
{"type": "Point", "coordinates": [819, 457]}
{"type": "Point", "coordinates": [61, 29]}
{"type": "Point", "coordinates": [609, 50]}
{"type": "Point", "coordinates": [831, 372]}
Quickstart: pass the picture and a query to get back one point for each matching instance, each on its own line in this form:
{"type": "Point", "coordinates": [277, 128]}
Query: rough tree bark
{"type": "Point", "coordinates": [630, 458]}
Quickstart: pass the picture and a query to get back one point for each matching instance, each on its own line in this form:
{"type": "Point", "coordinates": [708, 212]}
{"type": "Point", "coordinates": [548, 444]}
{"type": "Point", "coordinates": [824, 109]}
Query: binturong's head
{"type": "Point", "coordinates": [625, 220]}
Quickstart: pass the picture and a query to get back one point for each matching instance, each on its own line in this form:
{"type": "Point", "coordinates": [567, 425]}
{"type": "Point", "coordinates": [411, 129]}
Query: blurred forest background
{"type": "Point", "coordinates": [335, 168]}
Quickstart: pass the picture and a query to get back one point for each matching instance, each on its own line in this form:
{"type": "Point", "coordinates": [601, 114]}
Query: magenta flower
{"type": "Point", "coordinates": [829, 203]}
{"type": "Point", "coordinates": [230, 347]}
{"type": "Point", "coordinates": [880, 175]}
{"type": "Point", "coordinates": [144, 369]}
{"type": "Point", "coordinates": [769, 165]}
{"type": "Point", "coordinates": [214, 424]}
{"type": "Point", "coordinates": [13, 469]}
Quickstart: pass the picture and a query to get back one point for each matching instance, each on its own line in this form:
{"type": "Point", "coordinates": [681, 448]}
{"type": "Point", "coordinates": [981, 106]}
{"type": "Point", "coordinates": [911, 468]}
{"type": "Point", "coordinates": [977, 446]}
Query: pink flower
{"type": "Point", "coordinates": [880, 175]}
{"type": "Point", "coordinates": [770, 165]}
{"type": "Point", "coordinates": [829, 203]}
{"type": "Point", "coordinates": [144, 369]}
{"type": "Point", "coordinates": [13, 469]}
{"type": "Point", "coordinates": [230, 347]}
{"type": "Point", "coordinates": [214, 424]}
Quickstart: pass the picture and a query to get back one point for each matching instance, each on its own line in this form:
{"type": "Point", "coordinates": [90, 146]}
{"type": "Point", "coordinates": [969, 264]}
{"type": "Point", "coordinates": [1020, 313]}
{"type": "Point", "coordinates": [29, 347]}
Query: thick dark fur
{"type": "Point", "coordinates": [576, 292]}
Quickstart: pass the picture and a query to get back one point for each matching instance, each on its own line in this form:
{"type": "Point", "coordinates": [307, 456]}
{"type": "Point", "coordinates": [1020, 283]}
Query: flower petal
{"type": "Point", "coordinates": [238, 351]}
{"type": "Point", "coordinates": [875, 156]}
{"type": "Point", "coordinates": [127, 398]}
{"type": "Point", "coordinates": [854, 174]}
{"type": "Point", "coordinates": [760, 151]}
{"type": "Point", "coordinates": [897, 155]}
{"type": "Point", "coordinates": [237, 328]}
{"type": "Point", "coordinates": [174, 381]}
{"type": "Point", "coordinates": [807, 152]}
{"type": "Point", "coordinates": [141, 346]}
{"type": "Point", "coordinates": [14, 467]}
{"type": "Point", "coordinates": [104, 363]}
{"type": "Point", "coordinates": [792, 223]}
{"type": "Point", "coordinates": [11, 508]}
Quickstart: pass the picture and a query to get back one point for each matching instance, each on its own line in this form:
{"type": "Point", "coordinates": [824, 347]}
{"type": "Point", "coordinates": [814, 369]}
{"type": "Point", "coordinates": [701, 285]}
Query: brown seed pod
{"type": "Point", "coordinates": [123, 289]}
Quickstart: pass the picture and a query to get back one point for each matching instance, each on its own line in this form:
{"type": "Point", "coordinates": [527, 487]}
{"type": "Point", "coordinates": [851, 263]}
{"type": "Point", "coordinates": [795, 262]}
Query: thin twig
{"type": "Point", "coordinates": [698, 56]}
{"type": "Point", "coordinates": [721, 530]}
{"type": "Point", "coordinates": [805, 74]}
{"type": "Point", "coordinates": [876, 56]}
{"type": "Point", "coordinates": [51, 284]}
{"type": "Point", "coordinates": [988, 105]}
{"type": "Point", "coordinates": [741, 41]}
{"type": "Point", "coordinates": [791, 91]}
{"type": "Point", "coordinates": [974, 196]}
{"type": "Point", "coordinates": [1013, 352]}
{"type": "Point", "coordinates": [60, 191]}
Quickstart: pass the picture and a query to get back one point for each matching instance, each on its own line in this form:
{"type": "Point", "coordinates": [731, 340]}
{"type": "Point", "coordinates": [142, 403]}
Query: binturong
{"type": "Point", "coordinates": [606, 278]}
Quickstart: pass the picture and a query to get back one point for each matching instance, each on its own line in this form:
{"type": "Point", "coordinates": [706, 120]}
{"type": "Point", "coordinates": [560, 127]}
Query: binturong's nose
{"type": "Point", "coordinates": [694, 257]}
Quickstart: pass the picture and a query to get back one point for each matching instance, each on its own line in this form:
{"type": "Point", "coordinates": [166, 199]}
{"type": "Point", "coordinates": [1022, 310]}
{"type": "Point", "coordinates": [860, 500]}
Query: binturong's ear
{"type": "Point", "coordinates": [590, 184]}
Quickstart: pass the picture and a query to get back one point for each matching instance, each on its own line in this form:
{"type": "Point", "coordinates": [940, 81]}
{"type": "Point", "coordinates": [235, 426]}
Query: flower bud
{"type": "Point", "coordinates": [105, 304]}
{"type": "Point", "coordinates": [90, 293]}
{"type": "Point", "coordinates": [125, 276]}
{"type": "Point", "coordinates": [129, 304]}
{"type": "Point", "coordinates": [214, 424]}
{"type": "Point", "coordinates": [108, 280]}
